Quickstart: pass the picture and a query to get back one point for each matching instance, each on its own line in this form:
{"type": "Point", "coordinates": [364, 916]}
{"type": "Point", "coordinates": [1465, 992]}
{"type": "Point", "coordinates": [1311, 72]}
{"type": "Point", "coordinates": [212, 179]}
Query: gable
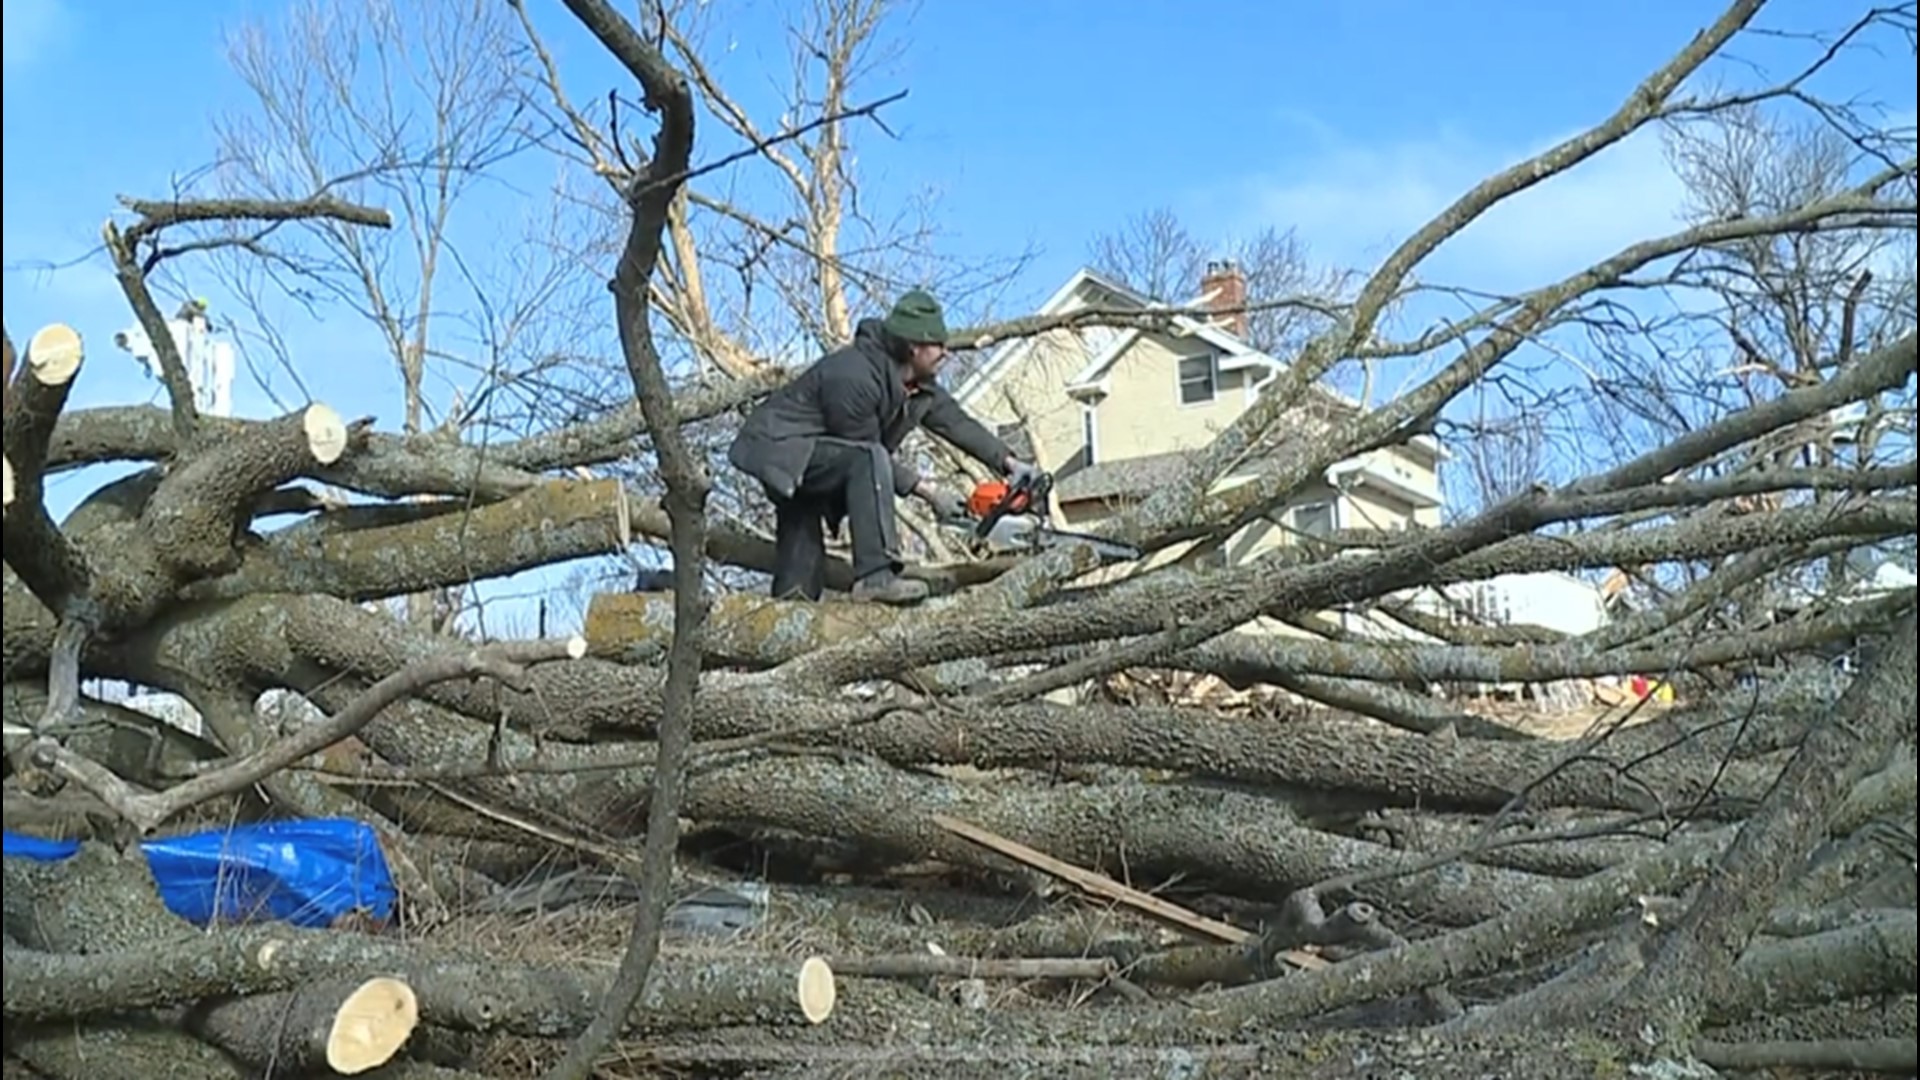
{"type": "Point", "coordinates": [1040, 380]}
{"type": "Point", "coordinates": [1085, 289]}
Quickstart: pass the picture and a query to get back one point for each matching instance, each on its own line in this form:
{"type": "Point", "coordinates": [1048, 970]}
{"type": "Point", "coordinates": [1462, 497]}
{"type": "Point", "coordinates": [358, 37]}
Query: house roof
{"type": "Point", "coordinates": [1123, 478]}
{"type": "Point", "coordinates": [1010, 352]}
{"type": "Point", "coordinates": [1238, 352]}
{"type": "Point", "coordinates": [1135, 477]}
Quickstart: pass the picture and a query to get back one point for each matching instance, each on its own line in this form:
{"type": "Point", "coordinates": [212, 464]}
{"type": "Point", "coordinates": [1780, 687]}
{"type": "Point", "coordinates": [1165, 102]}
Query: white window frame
{"type": "Point", "coordinates": [1296, 513]}
{"type": "Point", "coordinates": [1089, 430]}
{"type": "Point", "coordinates": [1180, 380]}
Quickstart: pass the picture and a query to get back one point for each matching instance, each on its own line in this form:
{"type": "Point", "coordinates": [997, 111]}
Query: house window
{"type": "Point", "coordinates": [1086, 433]}
{"type": "Point", "coordinates": [1314, 519]}
{"type": "Point", "coordinates": [1489, 605]}
{"type": "Point", "coordinates": [1199, 378]}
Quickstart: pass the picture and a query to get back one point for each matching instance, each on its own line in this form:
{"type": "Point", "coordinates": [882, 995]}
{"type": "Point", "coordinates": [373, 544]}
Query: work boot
{"type": "Point", "coordinates": [887, 587]}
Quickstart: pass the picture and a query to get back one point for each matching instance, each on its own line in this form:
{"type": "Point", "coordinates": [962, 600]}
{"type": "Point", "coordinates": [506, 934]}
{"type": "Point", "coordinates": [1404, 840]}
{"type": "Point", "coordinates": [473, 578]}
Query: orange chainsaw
{"type": "Point", "coordinates": [1013, 517]}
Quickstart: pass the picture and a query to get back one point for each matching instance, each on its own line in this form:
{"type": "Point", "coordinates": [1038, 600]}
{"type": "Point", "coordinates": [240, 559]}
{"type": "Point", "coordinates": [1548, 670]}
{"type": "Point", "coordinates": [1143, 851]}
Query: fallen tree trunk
{"type": "Point", "coordinates": [93, 938]}
{"type": "Point", "coordinates": [1853, 961]}
{"type": "Point", "coordinates": [120, 1048]}
{"type": "Point", "coordinates": [1314, 752]}
{"type": "Point", "coordinates": [1245, 843]}
{"type": "Point", "coordinates": [345, 1025]}
{"type": "Point", "coordinates": [757, 632]}
{"type": "Point", "coordinates": [1559, 846]}
{"type": "Point", "coordinates": [456, 992]}
{"type": "Point", "coordinates": [1893, 1056]}
{"type": "Point", "coordinates": [1876, 1017]}
{"type": "Point", "coordinates": [912, 966]}
{"type": "Point", "coordinates": [1502, 943]}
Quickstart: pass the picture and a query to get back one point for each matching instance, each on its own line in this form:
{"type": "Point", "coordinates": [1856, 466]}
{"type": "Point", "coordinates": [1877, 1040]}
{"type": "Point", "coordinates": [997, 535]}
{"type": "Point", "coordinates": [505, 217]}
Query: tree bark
{"type": "Point", "coordinates": [339, 1025]}
{"type": "Point", "coordinates": [120, 1048]}
{"type": "Point", "coordinates": [1692, 964]}
{"type": "Point", "coordinates": [94, 938]}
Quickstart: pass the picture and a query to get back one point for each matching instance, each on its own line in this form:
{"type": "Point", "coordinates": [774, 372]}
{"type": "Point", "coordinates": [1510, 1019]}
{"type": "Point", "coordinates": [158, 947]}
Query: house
{"type": "Point", "coordinates": [1115, 414]}
{"type": "Point", "coordinates": [1550, 599]}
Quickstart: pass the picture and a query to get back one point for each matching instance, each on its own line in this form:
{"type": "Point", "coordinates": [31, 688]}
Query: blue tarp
{"type": "Point", "coordinates": [307, 873]}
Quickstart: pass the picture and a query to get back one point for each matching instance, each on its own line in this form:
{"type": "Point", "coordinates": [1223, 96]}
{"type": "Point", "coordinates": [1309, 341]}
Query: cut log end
{"type": "Point", "coordinates": [6, 481]}
{"type": "Point", "coordinates": [576, 647]}
{"type": "Point", "coordinates": [371, 1026]}
{"type": "Point", "coordinates": [54, 355]}
{"type": "Point", "coordinates": [816, 990]}
{"type": "Point", "coordinates": [326, 434]}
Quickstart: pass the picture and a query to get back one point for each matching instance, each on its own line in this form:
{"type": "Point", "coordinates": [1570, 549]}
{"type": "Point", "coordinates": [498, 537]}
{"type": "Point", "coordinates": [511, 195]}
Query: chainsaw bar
{"type": "Point", "coordinates": [1027, 534]}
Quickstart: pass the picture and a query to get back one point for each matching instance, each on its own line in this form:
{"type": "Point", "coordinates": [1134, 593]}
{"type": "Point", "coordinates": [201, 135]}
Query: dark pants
{"type": "Point", "coordinates": [844, 480]}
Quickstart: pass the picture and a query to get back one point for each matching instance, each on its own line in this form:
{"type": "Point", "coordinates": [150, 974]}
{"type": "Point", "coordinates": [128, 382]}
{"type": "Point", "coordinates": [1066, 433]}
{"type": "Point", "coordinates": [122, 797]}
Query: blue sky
{"type": "Point", "coordinates": [1038, 122]}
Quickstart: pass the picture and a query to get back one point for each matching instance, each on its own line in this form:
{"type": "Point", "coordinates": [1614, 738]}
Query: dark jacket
{"type": "Point", "coordinates": [857, 392]}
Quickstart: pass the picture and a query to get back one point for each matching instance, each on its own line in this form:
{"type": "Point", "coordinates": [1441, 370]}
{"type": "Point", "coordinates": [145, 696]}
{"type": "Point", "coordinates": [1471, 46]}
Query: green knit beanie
{"type": "Point", "coordinates": [916, 317]}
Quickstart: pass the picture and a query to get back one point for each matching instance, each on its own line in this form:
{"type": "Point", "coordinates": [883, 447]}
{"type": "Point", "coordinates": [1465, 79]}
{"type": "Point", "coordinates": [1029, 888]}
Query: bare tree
{"type": "Point", "coordinates": [415, 106]}
{"type": "Point", "coordinates": [1668, 891]}
{"type": "Point", "coordinates": [1506, 455]}
{"type": "Point", "coordinates": [1156, 254]}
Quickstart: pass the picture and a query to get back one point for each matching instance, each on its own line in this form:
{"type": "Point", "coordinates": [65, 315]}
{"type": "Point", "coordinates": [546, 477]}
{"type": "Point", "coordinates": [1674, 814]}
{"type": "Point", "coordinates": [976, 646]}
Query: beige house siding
{"type": "Point", "coordinates": [1142, 413]}
{"type": "Point", "coordinates": [1030, 393]}
{"type": "Point", "coordinates": [1369, 508]}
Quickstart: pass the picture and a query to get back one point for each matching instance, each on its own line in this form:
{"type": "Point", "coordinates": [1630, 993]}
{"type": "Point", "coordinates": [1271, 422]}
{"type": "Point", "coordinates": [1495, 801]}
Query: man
{"type": "Point", "coordinates": [823, 447]}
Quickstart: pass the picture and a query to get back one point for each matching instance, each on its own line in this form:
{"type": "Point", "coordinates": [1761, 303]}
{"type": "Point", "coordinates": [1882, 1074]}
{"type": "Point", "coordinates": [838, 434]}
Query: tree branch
{"type": "Point", "coordinates": [650, 199]}
{"type": "Point", "coordinates": [199, 510]}
{"type": "Point", "coordinates": [1692, 962]}
{"type": "Point", "coordinates": [156, 215]}
{"type": "Point", "coordinates": [505, 661]}
{"type": "Point", "coordinates": [173, 369]}
{"type": "Point", "coordinates": [48, 563]}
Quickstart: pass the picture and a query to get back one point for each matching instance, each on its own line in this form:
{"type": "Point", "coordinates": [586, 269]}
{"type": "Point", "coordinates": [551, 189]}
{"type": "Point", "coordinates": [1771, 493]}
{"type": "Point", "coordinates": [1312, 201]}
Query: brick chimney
{"type": "Point", "coordinates": [1225, 278]}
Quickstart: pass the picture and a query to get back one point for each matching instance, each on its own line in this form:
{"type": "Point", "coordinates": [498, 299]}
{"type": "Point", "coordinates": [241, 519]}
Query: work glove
{"type": "Point", "coordinates": [1020, 472]}
{"type": "Point", "coordinates": [947, 505]}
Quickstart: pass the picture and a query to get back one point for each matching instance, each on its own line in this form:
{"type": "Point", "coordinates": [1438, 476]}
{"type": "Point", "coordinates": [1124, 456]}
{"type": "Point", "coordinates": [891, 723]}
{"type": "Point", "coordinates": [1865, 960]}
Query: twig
{"type": "Point", "coordinates": [761, 146]}
{"type": "Point", "coordinates": [503, 661]}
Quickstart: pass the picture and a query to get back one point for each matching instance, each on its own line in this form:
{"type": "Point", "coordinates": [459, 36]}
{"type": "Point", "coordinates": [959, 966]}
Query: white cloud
{"type": "Point", "coordinates": [1352, 203]}
{"type": "Point", "coordinates": [30, 27]}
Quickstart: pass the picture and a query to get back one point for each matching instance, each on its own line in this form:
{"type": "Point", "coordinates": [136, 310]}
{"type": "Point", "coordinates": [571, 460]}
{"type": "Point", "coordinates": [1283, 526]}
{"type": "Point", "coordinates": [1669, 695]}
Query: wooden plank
{"type": "Point", "coordinates": [1100, 885]}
